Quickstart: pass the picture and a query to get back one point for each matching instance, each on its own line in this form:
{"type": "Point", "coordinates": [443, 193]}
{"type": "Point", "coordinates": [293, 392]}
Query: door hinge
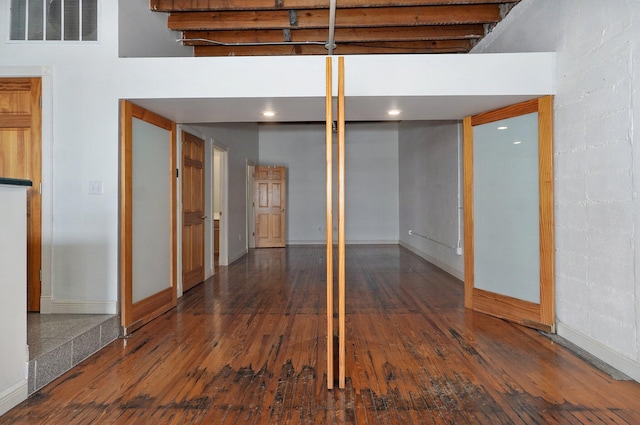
{"type": "Point", "coordinates": [40, 102]}
{"type": "Point", "coordinates": [40, 188]}
{"type": "Point", "coordinates": [40, 275]}
{"type": "Point", "coordinates": [177, 173]}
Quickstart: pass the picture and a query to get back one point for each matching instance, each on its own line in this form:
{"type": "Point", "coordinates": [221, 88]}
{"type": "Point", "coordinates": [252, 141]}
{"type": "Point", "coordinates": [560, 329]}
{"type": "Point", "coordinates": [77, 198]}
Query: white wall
{"type": "Point", "coordinates": [430, 183]}
{"type": "Point", "coordinates": [82, 86]}
{"type": "Point", "coordinates": [597, 171]}
{"type": "Point", "coordinates": [13, 297]}
{"type": "Point", "coordinates": [371, 179]}
{"type": "Point", "coordinates": [241, 143]}
{"type": "Point", "coordinates": [144, 34]}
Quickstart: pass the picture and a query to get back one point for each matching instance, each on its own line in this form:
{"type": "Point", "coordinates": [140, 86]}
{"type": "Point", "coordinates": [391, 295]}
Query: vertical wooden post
{"type": "Point", "coordinates": [341, 242]}
{"type": "Point", "coordinates": [329, 166]}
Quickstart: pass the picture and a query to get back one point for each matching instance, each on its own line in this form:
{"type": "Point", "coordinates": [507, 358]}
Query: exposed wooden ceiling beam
{"type": "Point", "coordinates": [445, 46]}
{"type": "Point", "coordinates": [421, 33]}
{"type": "Point", "coordinates": [206, 5]}
{"type": "Point", "coordinates": [428, 15]}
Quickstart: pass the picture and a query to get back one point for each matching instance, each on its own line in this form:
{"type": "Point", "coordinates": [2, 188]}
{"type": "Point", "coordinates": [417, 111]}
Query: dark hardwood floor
{"type": "Point", "coordinates": [247, 347]}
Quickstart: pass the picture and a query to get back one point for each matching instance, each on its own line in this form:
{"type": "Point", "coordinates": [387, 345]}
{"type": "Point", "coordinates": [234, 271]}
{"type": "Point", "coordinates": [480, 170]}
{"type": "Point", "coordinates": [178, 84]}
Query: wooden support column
{"type": "Point", "coordinates": [341, 241]}
{"type": "Point", "coordinates": [329, 166]}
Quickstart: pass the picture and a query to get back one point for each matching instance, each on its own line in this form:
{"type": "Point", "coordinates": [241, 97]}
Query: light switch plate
{"type": "Point", "coordinates": [96, 187]}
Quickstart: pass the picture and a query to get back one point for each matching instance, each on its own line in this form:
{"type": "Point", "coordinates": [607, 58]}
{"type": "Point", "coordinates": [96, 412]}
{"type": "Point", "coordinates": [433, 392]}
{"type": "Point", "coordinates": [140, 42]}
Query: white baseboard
{"type": "Point", "coordinates": [235, 257]}
{"type": "Point", "coordinates": [13, 396]}
{"type": "Point", "coordinates": [323, 242]}
{"type": "Point", "coordinates": [51, 305]}
{"type": "Point", "coordinates": [453, 272]}
{"type": "Point", "coordinates": [601, 351]}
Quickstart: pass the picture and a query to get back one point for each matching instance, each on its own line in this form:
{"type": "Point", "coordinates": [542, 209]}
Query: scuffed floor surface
{"type": "Point", "coordinates": [248, 347]}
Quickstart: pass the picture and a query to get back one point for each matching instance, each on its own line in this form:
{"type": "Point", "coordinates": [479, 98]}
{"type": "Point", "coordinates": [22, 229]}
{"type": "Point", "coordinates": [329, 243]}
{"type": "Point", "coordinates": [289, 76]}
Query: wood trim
{"type": "Point", "coordinates": [522, 108]}
{"type": "Point", "coordinates": [151, 307]}
{"type": "Point", "coordinates": [173, 214]}
{"type": "Point", "coordinates": [329, 214]}
{"type": "Point", "coordinates": [126, 222]}
{"type": "Point", "coordinates": [153, 118]}
{"type": "Point", "coordinates": [547, 248]}
{"type": "Point", "coordinates": [34, 250]}
{"type": "Point", "coordinates": [341, 233]}
{"type": "Point", "coordinates": [518, 311]}
{"type": "Point", "coordinates": [468, 211]}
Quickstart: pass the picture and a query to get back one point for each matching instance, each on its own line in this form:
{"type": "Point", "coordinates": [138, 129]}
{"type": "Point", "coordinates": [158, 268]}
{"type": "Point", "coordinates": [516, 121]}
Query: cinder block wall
{"type": "Point", "coordinates": [596, 164]}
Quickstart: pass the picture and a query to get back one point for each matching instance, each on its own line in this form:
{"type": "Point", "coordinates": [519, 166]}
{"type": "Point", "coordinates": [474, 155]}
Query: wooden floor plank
{"type": "Point", "coordinates": [247, 347]}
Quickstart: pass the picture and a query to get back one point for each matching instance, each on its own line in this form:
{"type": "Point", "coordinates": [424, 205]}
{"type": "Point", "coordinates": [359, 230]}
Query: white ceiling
{"type": "Point", "coordinates": [307, 109]}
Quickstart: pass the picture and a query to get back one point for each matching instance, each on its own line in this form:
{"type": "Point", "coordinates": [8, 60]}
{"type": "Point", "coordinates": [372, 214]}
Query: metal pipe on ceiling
{"type": "Point", "coordinates": [266, 43]}
{"type": "Point", "coordinates": [332, 27]}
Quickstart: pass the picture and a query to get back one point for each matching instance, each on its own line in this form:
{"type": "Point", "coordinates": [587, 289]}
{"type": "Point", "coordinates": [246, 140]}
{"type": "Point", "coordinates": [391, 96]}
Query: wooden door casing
{"type": "Point", "coordinates": [270, 190]}
{"type": "Point", "coordinates": [192, 211]}
{"type": "Point", "coordinates": [21, 157]}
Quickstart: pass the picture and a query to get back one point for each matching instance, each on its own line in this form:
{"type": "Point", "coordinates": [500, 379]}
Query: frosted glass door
{"type": "Point", "coordinates": [151, 204]}
{"type": "Point", "coordinates": [506, 214]}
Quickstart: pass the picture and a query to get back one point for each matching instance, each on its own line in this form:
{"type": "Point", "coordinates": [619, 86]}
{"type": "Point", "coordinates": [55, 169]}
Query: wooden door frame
{"type": "Point", "coordinates": [35, 192]}
{"type": "Point", "coordinates": [134, 315]}
{"type": "Point", "coordinates": [284, 204]}
{"type": "Point", "coordinates": [223, 255]}
{"type": "Point", "coordinates": [251, 237]}
{"type": "Point", "coordinates": [542, 315]}
{"type": "Point", "coordinates": [183, 135]}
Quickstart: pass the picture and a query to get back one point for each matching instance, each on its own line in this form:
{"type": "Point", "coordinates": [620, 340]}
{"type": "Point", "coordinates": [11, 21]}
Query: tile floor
{"type": "Point", "coordinates": [57, 342]}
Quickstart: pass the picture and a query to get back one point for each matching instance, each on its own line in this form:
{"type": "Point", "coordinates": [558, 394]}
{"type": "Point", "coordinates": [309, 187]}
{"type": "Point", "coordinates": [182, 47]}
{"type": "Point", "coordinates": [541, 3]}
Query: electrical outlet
{"type": "Point", "coordinates": [410, 232]}
{"type": "Point", "coordinates": [459, 251]}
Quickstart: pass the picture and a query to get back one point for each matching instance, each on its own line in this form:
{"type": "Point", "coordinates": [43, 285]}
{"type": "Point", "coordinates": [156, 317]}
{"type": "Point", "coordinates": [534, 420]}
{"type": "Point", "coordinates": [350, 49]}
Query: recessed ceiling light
{"type": "Point", "coordinates": [268, 113]}
{"type": "Point", "coordinates": [394, 112]}
{"type": "Point", "coordinates": [502, 127]}
{"type": "Point", "coordinates": [517, 142]}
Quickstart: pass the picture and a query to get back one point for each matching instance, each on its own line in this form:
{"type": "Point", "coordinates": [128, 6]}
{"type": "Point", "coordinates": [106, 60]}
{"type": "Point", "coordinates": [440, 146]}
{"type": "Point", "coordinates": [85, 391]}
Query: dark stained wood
{"type": "Point", "coordinates": [319, 18]}
{"type": "Point", "coordinates": [342, 35]}
{"type": "Point", "coordinates": [247, 347]}
{"type": "Point", "coordinates": [203, 5]}
{"type": "Point", "coordinates": [444, 46]}
{"type": "Point", "coordinates": [361, 26]}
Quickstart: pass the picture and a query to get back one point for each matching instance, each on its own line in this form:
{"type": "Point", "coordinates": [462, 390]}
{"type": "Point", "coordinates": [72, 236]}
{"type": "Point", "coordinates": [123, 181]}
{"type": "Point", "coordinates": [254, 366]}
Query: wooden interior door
{"type": "Point", "coordinates": [148, 261]}
{"type": "Point", "coordinates": [21, 157]}
{"type": "Point", "coordinates": [192, 211]}
{"type": "Point", "coordinates": [270, 188]}
{"type": "Point", "coordinates": [508, 213]}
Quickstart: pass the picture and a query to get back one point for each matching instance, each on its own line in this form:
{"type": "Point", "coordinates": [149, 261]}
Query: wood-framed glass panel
{"type": "Point", "coordinates": [508, 194]}
{"type": "Point", "coordinates": [147, 216]}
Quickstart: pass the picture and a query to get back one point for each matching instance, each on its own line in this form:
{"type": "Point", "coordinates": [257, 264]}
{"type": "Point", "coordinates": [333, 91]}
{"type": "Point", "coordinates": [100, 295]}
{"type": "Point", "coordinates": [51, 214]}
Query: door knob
{"type": "Point", "coordinates": [203, 217]}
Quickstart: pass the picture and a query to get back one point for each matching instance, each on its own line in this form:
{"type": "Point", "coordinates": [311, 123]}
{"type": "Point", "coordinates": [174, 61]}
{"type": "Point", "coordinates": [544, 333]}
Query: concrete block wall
{"type": "Point", "coordinates": [596, 164]}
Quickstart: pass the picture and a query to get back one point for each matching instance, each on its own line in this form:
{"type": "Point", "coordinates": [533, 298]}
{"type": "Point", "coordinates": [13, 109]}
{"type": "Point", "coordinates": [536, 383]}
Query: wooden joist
{"type": "Point", "coordinates": [345, 18]}
{"type": "Point", "coordinates": [342, 35]}
{"type": "Point", "coordinates": [206, 5]}
{"type": "Point", "coordinates": [447, 46]}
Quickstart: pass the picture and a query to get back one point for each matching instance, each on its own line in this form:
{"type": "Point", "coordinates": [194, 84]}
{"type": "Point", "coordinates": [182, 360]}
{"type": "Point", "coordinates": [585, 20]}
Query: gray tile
{"type": "Point", "coordinates": [41, 346]}
{"type": "Point", "coordinates": [109, 330]}
{"type": "Point", "coordinates": [31, 381]}
{"type": "Point", "coordinates": [86, 344]}
{"type": "Point", "coordinates": [53, 364]}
